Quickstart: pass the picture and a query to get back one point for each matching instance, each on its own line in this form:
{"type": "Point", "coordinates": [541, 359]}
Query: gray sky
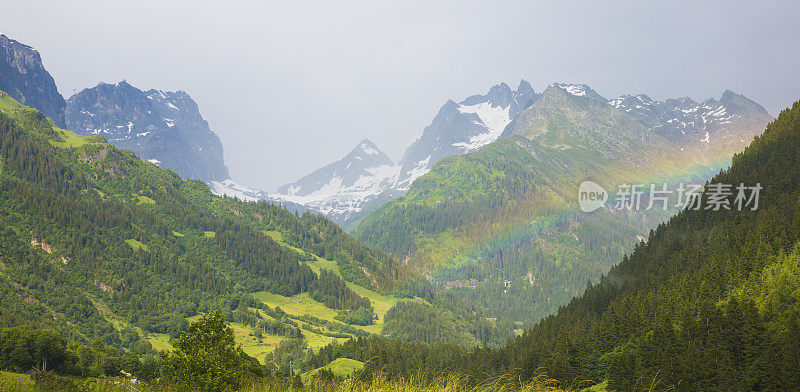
{"type": "Point", "coordinates": [292, 86]}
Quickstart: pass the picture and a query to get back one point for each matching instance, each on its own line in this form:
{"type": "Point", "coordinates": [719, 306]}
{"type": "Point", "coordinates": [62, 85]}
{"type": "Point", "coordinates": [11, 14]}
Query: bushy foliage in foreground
{"type": "Point", "coordinates": [206, 358]}
{"type": "Point", "coordinates": [442, 383]}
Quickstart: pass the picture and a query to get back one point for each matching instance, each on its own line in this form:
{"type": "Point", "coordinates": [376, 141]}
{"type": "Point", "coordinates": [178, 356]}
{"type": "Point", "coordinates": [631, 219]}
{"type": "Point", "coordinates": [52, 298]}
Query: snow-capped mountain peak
{"type": "Point", "coordinates": [573, 89]}
{"type": "Point", "coordinates": [366, 153]}
{"type": "Point", "coordinates": [232, 189]}
{"type": "Point", "coordinates": [365, 178]}
{"type": "Point", "coordinates": [467, 126]}
{"type": "Point", "coordinates": [366, 175]}
{"type": "Point", "coordinates": [341, 188]}
{"type": "Point", "coordinates": [367, 148]}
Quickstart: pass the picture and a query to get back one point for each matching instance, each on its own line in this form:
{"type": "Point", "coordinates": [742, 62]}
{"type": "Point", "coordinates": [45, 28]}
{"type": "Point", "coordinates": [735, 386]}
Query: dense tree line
{"type": "Point", "coordinates": [25, 349]}
{"type": "Point", "coordinates": [260, 256]}
{"type": "Point", "coordinates": [314, 234]}
{"type": "Point", "coordinates": [392, 357]}
{"type": "Point", "coordinates": [414, 321]}
{"type": "Point", "coordinates": [332, 291]}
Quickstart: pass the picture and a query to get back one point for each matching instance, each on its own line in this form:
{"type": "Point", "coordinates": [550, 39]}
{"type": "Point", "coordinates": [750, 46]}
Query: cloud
{"type": "Point", "coordinates": [291, 87]}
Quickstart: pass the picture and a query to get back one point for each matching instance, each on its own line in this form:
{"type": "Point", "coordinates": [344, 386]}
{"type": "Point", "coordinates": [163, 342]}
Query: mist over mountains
{"type": "Point", "coordinates": [349, 189]}
{"type": "Point", "coordinates": [167, 128]}
{"type": "Point", "coordinates": [128, 252]}
{"type": "Point", "coordinates": [366, 178]}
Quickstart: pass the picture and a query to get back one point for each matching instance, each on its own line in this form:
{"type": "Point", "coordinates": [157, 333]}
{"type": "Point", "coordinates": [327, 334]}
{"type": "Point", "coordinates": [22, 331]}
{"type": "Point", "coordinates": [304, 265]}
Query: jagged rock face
{"type": "Point", "coordinates": [163, 127]}
{"type": "Point", "coordinates": [568, 117]}
{"type": "Point", "coordinates": [730, 122]}
{"type": "Point", "coordinates": [24, 78]}
{"type": "Point", "coordinates": [574, 116]}
{"type": "Point", "coordinates": [464, 127]}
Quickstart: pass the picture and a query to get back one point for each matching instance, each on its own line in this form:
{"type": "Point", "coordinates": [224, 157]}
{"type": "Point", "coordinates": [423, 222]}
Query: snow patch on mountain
{"type": "Point", "coordinates": [232, 189]}
{"type": "Point", "coordinates": [421, 168]}
{"type": "Point", "coordinates": [714, 123]}
{"type": "Point", "coordinates": [494, 117]}
{"type": "Point", "coordinates": [577, 90]}
{"type": "Point", "coordinates": [345, 188]}
{"type": "Point", "coordinates": [369, 150]}
{"type": "Point", "coordinates": [340, 199]}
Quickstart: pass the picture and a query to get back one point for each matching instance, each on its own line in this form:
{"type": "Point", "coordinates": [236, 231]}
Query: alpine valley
{"type": "Point", "coordinates": [127, 250]}
{"type": "Point", "coordinates": [118, 254]}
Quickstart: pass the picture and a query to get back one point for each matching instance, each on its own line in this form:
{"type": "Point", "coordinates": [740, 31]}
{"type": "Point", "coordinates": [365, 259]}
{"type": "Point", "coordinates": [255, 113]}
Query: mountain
{"type": "Point", "coordinates": [98, 244]}
{"type": "Point", "coordinates": [163, 127]}
{"type": "Point", "coordinates": [22, 75]}
{"type": "Point", "coordinates": [709, 301]}
{"type": "Point", "coordinates": [231, 188]}
{"type": "Point", "coordinates": [569, 117]}
{"type": "Point", "coordinates": [509, 211]}
{"type": "Point", "coordinates": [710, 128]}
{"type": "Point", "coordinates": [336, 190]}
{"type": "Point", "coordinates": [713, 124]}
{"type": "Point", "coordinates": [464, 127]}
{"type": "Point", "coordinates": [366, 178]}
{"type": "Point", "coordinates": [363, 161]}
{"type": "Point", "coordinates": [705, 304]}
{"type": "Point", "coordinates": [340, 190]}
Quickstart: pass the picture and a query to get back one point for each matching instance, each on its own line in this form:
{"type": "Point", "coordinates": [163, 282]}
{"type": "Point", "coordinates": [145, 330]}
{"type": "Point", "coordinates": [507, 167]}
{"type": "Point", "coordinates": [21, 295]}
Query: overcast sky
{"type": "Point", "coordinates": [292, 86]}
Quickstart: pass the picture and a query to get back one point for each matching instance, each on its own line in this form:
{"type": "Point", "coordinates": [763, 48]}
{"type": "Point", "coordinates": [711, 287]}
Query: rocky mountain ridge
{"type": "Point", "coordinates": [24, 78]}
{"type": "Point", "coordinates": [163, 127]}
{"type": "Point", "coordinates": [348, 189]}
{"type": "Point", "coordinates": [347, 193]}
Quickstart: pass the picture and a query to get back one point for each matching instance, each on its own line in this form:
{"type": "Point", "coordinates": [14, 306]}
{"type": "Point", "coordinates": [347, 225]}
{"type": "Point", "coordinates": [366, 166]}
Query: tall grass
{"type": "Point", "coordinates": [444, 383]}
{"type": "Point", "coordinates": [378, 383]}
{"type": "Point", "coordinates": [12, 382]}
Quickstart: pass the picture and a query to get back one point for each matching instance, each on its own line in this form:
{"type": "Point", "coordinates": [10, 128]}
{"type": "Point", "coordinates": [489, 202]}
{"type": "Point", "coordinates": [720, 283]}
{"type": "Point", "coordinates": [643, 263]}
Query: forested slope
{"type": "Point", "coordinates": [500, 229]}
{"type": "Point", "coordinates": [710, 302]}
{"type": "Point", "coordinates": [101, 245]}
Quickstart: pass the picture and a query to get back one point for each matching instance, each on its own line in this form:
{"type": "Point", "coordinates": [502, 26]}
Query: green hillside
{"type": "Point", "coordinates": [102, 246]}
{"type": "Point", "coordinates": [508, 212]}
{"type": "Point", "coordinates": [710, 302]}
{"type": "Point", "coordinates": [342, 367]}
